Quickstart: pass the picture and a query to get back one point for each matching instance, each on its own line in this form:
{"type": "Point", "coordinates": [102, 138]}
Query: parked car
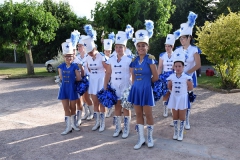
{"type": "Point", "coordinates": [51, 65]}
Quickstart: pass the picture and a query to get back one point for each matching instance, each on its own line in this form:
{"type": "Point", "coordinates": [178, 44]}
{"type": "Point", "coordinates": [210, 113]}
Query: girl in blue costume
{"type": "Point", "coordinates": [144, 72]}
{"type": "Point", "coordinates": [68, 73]}
{"type": "Point", "coordinates": [119, 72]}
{"type": "Point", "coordinates": [191, 53]}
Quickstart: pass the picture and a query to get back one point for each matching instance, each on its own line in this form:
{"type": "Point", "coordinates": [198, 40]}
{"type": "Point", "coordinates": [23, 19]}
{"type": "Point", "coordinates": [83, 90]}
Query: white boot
{"type": "Point", "coordinates": [141, 139]}
{"type": "Point", "coordinates": [181, 131]}
{"type": "Point", "coordinates": [90, 116]}
{"type": "Point", "coordinates": [68, 126]}
{"type": "Point", "coordinates": [78, 119]}
{"type": "Point", "coordinates": [102, 121]}
{"type": "Point", "coordinates": [97, 124]}
{"type": "Point", "coordinates": [175, 134]}
{"type": "Point", "coordinates": [149, 136]}
{"type": "Point", "coordinates": [187, 124]}
{"type": "Point", "coordinates": [165, 109]}
{"type": "Point", "coordinates": [86, 110]}
{"type": "Point", "coordinates": [126, 126]}
{"type": "Point", "coordinates": [73, 123]}
{"type": "Point", "coordinates": [109, 112]}
{"type": "Point", "coordinates": [117, 123]}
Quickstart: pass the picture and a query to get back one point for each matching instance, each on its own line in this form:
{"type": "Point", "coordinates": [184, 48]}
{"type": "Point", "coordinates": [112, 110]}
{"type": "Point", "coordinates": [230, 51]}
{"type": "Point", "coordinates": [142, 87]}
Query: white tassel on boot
{"type": "Point", "coordinates": [96, 118]}
{"type": "Point", "coordinates": [109, 112]}
{"type": "Point", "coordinates": [149, 136]}
{"type": "Point", "coordinates": [126, 126]}
{"type": "Point", "coordinates": [79, 116]}
{"type": "Point", "coordinates": [181, 131]}
{"type": "Point", "coordinates": [165, 109]}
{"type": "Point", "coordinates": [90, 116]}
{"type": "Point", "coordinates": [68, 126]}
{"type": "Point", "coordinates": [141, 139]}
{"type": "Point", "coordinates": [86, 111]}
{"type": "Point", "coordinates": [187, 124]}
{"type": "Point", "coordinates": [117, 123]}
{"type": "Point", "coordinates": [102, 121]}
{"type": "Point", "coordinates": [73, 123]}
{"type": "Point", "coordinates": [175, 134]}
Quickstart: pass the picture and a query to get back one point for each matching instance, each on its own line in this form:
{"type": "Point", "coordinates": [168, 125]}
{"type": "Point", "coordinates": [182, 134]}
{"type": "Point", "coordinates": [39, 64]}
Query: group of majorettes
{"type": "Point", "coordinates": [122, 72]}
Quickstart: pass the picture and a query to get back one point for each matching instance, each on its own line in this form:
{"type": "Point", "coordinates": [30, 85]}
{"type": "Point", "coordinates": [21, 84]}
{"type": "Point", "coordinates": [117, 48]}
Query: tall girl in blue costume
{"type": "Point", "coordinates": [119, 72]}
{"type": "Point", "coordinates": [87, 102]}
{"type": "Point", "coordinates": [68, 73]}
{"type": "Point", "coordinates": [96, 66]}
{"type": "Point", "coordinates": [165, 66]}
{"type": "Point", "coordinates": [192, 57]}
{"type": "Point", "coordinates": [179, 84]}
{"type": "Point", "coordinates": [144, 72]}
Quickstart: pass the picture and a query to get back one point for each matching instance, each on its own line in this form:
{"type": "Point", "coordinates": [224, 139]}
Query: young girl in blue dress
{"type": "Point", "coordinates": [68, 73]}
{"type": "Point", "coordinates": [144, 72]}
{"type": "Point", "coordinates": [179, 84]}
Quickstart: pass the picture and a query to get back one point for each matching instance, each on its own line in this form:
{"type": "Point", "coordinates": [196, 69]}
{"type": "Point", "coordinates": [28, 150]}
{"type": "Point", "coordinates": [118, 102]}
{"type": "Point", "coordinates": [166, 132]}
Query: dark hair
{"type": "Point", "coordinates": [192, 41]}
{"type": "Point", "coordinates": [180, 62]}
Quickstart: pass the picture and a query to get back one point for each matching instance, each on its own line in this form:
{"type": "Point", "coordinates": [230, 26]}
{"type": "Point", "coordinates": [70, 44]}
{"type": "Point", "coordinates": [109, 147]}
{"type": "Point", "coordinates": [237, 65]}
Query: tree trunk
{"type": "Point", "coordinates": [29, 60]}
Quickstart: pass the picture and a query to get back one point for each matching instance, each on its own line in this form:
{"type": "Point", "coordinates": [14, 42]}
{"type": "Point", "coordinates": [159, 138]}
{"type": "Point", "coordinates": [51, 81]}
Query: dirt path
{"type": "Point", "coordinates": [32, 118]}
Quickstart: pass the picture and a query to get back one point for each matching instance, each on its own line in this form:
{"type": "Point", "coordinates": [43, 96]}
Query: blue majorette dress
{"type": "Point", "coordinates": [67, 89]}
{"type": "Point", "coordinates": [141, 92]}
{"type": "Point", "coordinates": [189, 60]}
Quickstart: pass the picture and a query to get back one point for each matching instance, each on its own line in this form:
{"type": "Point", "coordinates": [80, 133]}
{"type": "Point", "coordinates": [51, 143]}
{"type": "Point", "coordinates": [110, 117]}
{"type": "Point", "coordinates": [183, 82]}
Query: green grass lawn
{"type": "Point", "coordinates": [22, 72]}
{"type": "Point", "coordinates": [209, 82]}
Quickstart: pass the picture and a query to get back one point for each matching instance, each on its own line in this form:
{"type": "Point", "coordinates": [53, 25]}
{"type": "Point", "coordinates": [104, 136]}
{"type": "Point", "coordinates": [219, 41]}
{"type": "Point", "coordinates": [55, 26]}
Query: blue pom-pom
{"type": "Point", "coordinates": [191, 19]}
{"type": "Point", "coordinates": [129, 31]}
{"type": "Point", "coordinates": [191, 97]}
{"type": "Point", "coordinates": [82, 86]}
{"type": "Point", "coordinates": [108, 97]}
{"type": "Point", "coordinates": [111, 36]}
{"type": "Point", "coordinates": [149, 27]}
{"type": "Point", "coordinates": [176, 34]}
{"type": "Point", "coordinates": [90, 31]}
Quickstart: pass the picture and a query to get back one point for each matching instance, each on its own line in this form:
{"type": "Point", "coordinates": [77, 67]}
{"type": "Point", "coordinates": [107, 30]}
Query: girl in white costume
{"type": "Point", "coordinates": [165, 66]}
{"type": "Point", "coordinates": [87, 102]}
{"type": "Point", "coordinates": [179, 84]}
{"type": "Point", "coordinates": [192, 57]}
{"type": "Point", "coordinates": [107, 44]}
{"type": "Point", "coordinates": [96, 65]}
{"type": "Point", "coordinates": [119, 71]}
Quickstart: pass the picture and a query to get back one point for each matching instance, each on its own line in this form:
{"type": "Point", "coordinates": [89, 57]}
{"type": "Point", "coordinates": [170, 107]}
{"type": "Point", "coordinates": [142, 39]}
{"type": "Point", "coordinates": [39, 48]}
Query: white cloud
{"type": "Point", "coordinates": [80, 7]}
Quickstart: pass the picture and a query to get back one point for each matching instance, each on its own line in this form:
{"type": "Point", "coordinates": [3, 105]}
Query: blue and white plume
{"type": "Point", "coordinates": [129, 31]}
{"type": "Point", "coordinates": [75, 35]}
{"type": "Point", "coordinates": [149, 27]}
{"type": "Point", "coordinates": [176, 34]}
{"type": "Point", "coordinates": [192, 19]}
{"type": "Point", "coordinates": [111, 36]}
{"type": "Point", "coordinates": [90, 31]}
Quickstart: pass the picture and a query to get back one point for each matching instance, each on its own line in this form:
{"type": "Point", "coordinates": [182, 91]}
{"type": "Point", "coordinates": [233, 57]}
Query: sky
{"type": "Point", "coordinates": [80, 7]}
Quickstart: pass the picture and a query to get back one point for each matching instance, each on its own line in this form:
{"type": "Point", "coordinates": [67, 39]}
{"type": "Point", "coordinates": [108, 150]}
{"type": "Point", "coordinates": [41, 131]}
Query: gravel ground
{"type": "Point", "coordinates": [32, 118]}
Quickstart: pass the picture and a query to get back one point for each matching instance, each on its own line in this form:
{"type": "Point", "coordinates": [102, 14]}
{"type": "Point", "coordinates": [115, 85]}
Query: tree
{"type": "Point", "coordinates": [222, 6]}
{"type": "Point", "coordinates": [25, 24]}
{"type": "Point", "coordinates": [68, 21]}
{"type": "Point", "coordinates": [114, 15]}
{"type": "Point", "coordinates": [219, 41]}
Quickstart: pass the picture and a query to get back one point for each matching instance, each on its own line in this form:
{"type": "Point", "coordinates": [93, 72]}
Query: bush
{"type": "Point", "coordinates": [219, 41]}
